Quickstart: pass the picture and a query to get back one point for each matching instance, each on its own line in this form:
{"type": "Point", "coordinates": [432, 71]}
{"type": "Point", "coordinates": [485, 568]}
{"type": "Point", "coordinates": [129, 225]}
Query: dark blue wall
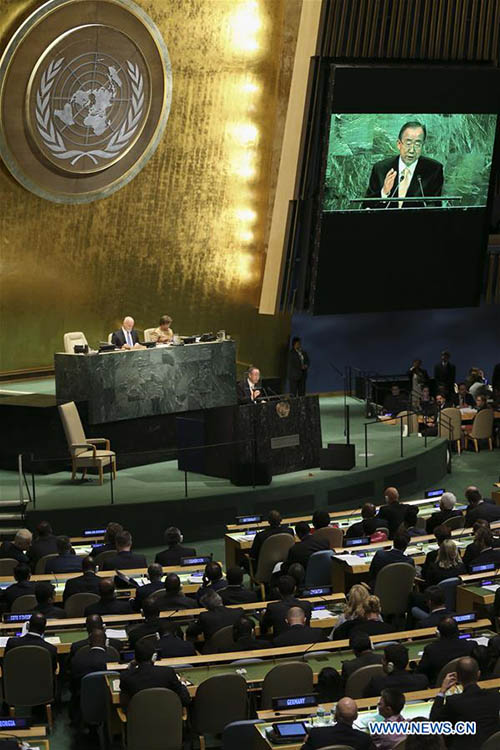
{"type": "Point", "coordinates": [387, 342]}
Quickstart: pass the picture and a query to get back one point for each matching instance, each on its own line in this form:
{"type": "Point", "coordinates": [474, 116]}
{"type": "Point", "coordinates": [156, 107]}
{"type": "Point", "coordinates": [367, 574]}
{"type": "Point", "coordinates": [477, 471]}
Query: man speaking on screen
{"type": "Point", "coordinates": [408, 175]}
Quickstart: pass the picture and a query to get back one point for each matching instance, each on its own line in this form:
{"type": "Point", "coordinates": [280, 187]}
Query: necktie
{"type": "Point", "coordinates": [129, 338]}
{"type": "Point", "coordinates": [403, 185]}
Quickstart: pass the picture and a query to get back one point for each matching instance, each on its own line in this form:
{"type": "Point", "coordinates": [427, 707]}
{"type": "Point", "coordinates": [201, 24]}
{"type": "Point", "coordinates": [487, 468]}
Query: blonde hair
{"type": "Point", "coordinates": [448, 556]}
{"type": "Point", "coordinates": [355, 600]}
{"type": "Point", "coordinates": [371, 606]}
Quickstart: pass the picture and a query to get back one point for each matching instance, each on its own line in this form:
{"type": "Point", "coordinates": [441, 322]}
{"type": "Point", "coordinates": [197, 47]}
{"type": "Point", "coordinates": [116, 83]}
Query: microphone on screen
{"type": "Point", "coordinates": [396, 187]}
{"type": "Point", "coordinates": [421, 189]}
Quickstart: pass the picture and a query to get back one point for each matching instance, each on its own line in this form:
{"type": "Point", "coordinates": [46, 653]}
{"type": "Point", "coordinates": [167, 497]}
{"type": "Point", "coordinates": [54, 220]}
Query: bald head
{"type": "Point", "coordinates": [391, 495]}
{"type": "Point", "coordinates": [94, 622]}
{"type": "Point", "coordinates": [37, 623]}
{"type": "Point", "coordinates": [467, 670]}
{"type": "Point", "coordinates": [128, 323]}
{"type": "Point", "coordinates": [97, 639]}
{"type": "Point", "coordinates": [296, 616]}
{"type": "Point", "coordinates": [346, 711]}
{"type": "Point", "coordinates": [106, 588]}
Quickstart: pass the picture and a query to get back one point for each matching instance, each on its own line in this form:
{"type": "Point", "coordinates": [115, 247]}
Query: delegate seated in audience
{"type": "Point", "coordinates": [342, 732]}
{"type": "Point", "coordinates": [297, 631]}
{"type": "Point", "coordinates": [45, 594]}
{"type": "Point", "coordinates": [94, 622]}
{"type": "Point", "coordinates": [308, 543]}
{"type": "Point", "coordinates": [150, 625]}
{"type": "Point", "coordinates": [330, 687]}
{"type": "Point", "coordinates": [172, 644]}
{"type": "Point", "coordinates": [155, 574]}
{"type": "Point", "coordinates": [385, 557]}
{"type": "Point", "coordinates": [244, 636]}
{"type": "Point", "coordinates": [440, 534]}
{"type": "Point", "coordinates": [427, 404]}
{"type": "Point", "coordinates": [463, 399]}
{"type": "Point", "coordinates": [108, 604]}
{"type": "Point", "coordinates": [487, 553]}
{"type": "Point", "coordinates": [87, 583]}
{"type": "Point", "coordinates": [448, 564]}
{"type": "Point", "coordinates": [66, 560]}
{"type": "Point", "coordinates": [320, 519]}
{"type": "Point", "coordinates": [353, 608]}
{"type": "Point", "coordinates": [390, 705]}
{"type": "Point", "coordinates": [172, 597]}
{"type": "Point", "coordinates": [235, 592]}
{"type": "Point", "coordinates": [473, 704]}
{"type": "Point", "coordinates": [88, 660]}
{"type": "Point", "coordinates": [124, 559]}
{"type": "Point", "coordinates": [410, 522]}
{"type": "Point", "coordinates": [112, 529]}
{"type": "Point", "coordinates": [476, 382]}
{"type": "Point", "coordinates": [395, 401]}
{"type": "Point", "coordinates": [393, 513]}
{"type": "Point", "coordinates": [298, 573]}
{"type": "Point", "coordinates": [369, 621]}
{"type": "Point", "coordinates": [22, 587]}
{"type": "Point", "coordinates": [396, 675]}
{"type": "Point", "coordinates": [34, 637]}
{"type": "Point", "coordinates": [216, 617]}
{"type": "Point", "coordinates": [436, 608]}
{"type": "Point", "coordinates": [44, 543]}
{"type": "Point", "coordinates": [143, 674]}
{"type": "Point", "coordinates": [16, 550]}
{"type": "Point", "coordinates": [276, 612]}
{"type": "Point", "coordinates": [368, 510]}
{"type": "Point", "coordinates": [447, 503]}
{"type": "Point", "coordinates": [275, 527]}
{"type": "Point", "coordinates": [174, 552]}
{"type": "Point", "coordinates": [479, 509]}
{"type": "Point", "coordinates": [364, 654]}
{"type": "Point", "coordinates": [472, 549]}
{"type": "Point", "coordinates": [445, 648]}
{"type": "Point", "coordinates": [213, 580]}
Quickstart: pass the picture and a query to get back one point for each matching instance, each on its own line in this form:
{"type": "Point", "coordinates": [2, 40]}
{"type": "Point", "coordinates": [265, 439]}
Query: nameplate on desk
{"type": "Point", "coordinates": [434, 493]}
{"type": "Point", "coordinates": [295, 701]}
{"type": "Point", "coordinates": [21, 617]}
{"type": "Point", "coordinates": [21, 723]}
{"type": "Point", "coordinates": [468, 617]}
{"type": "Point", "coordinates": [94, 532]}
{"type": "Point", "coordinates": [248, 519]}
{"type": "Point", "coordinates": [286, 441]}
{"type": "Point", "coordinates": [196, 560]}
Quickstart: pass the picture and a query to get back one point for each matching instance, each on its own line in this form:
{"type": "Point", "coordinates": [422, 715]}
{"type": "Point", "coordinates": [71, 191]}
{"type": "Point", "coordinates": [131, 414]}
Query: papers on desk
{"type": "Point", "coordinates": [277, 567]}
{"type": "Point", "coordinates": [413, 550]}
{"type": "Point", "coordinates": [321, 614]}
{"type": "Point", "coordinates": [120, 635]}
{"type": "Point", "coordinates": [54, 639]}
{"type": "Point", "coordinates": [196, 578]}
{"type": "Point", "coordinates": [3, 641]}
{"type": "Point", "coordinates": [483, 640]}
{"type": "Point", "coordinates": [351, 559]}
{"type": "Point", "coordinates": [116, 686]}
{"type": "Point", "coordinates": [492, 586]}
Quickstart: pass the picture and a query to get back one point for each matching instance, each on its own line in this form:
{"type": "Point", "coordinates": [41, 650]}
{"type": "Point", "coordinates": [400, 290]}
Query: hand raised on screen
{"type": "Point", "coordinates": [389, 181]}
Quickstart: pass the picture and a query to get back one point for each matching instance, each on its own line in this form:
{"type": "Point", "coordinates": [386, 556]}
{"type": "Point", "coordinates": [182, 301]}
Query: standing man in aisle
{"type": "Point", "coordinates": [298, 365]}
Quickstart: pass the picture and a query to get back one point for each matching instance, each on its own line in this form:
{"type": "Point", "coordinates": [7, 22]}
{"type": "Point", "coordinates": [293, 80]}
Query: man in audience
{"type": "Point", "coordinates": [124, 559]}
{"type": "Point", "coordinates": [173, 598]}
{"type": "Point", "coordinates": [479, 509]}
{"type": "Point", "coordinates": [94, 622]}
{"type": "Point", "coordinates": [275, 615]}
{"type": "Point", "coordinates": [298, 573]}
{"type": "Point", "coordinates": [395, 401]}
{"type": "Point", "coordinates": [235, 592]}
{"type": "Point", "coordinates": [22, 587]}
{"type": "Point", "coordinates": [447, 647]}
{"type": "Point", "coordinates": [395, 555]}
{"type": "Point", "coordinates": [320, 519]}
{"type": "Point", "coordinates": [410, 522]}
{"type": "Point", "coordinates": [487, 554]}
{"type": "Point", "coordinates": [172, 644]}
{"type": "Point", "coordinates": [390, 705]}
{"type": "Point", "coordinates": [155, 574]}
{"type": "Point", "coordinates": [143, 674]}
{"type": "Point", "coordinates": [446, 511]}
{"type": "Point", "coordinates": [212, 579]}
{"type": "Point", "coordinates": [368, 510]}
{"type": "Point", "coordinates": [396, 675]}
{"type": "Point", "coordinates": [216, 617]}
{"type": "Point", "coordinates": [44, 543]}
{"type": "Point", "coordinates": [112, 529]}
{"type": "Point", "coordinates": [66, 560]}
{"type": "Point", "coordinates": [45, 594]}
{"type": "Point", "coordinates": [16, 550]}
{"type": "Point", "coordinates": [34, 637]}
{"type": "Point", "coordinates": [151, 623]}
{"type": "Point", "coordinates": [472, 549]}
{"type": "Point", "coordinates": [175, 551]}
{"type": "Point", "coordinates": [86, 661]}
{"type": "Point", "coordinates": [308, 543]}
{"type": "Point", "coordinates": [444, 373]}
{"type": "Point", "coordinates": [275, 527]}
{"type": "Point", "coordinates": [108, 604]}
{"type": "Point", "coordinates": [364, 655]}
{"type": "Point", "coordinates": [298, 631]}
{"type": "Point", "coordinates": [342, 732]}
{"type": "Point", "coordinates": [244, 636]}
{"type": "Point", "coordinates": [437, 608]}
{"type": "Point", "coordinates": [87, 583]}
{"type": "Point", "coordinates": [463, 398]}
{"type": "Point", "coordinates": [473, 704]}
{"type": "Point", "coordinates": [393, 512]}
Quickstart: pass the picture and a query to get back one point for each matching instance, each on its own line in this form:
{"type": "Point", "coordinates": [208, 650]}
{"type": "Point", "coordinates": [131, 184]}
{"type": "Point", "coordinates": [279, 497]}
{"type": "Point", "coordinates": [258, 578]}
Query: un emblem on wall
{"type": "Point", "coordinates": [85, 93]}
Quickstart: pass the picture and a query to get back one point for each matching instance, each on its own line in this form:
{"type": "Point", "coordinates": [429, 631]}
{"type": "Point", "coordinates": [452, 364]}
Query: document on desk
{"type": "Point", "coordinates": [492, 586]}
{"type": "Point", "coordinates": [321, 614]}
{"type": "Point", "coordinates": [54, 639]}
{"type": "Point", "coordinates": [352, 559]}
{"type": "Point", "coordinates": [119, 634]}
{"type": "Point", "coordinates": [3, 641]}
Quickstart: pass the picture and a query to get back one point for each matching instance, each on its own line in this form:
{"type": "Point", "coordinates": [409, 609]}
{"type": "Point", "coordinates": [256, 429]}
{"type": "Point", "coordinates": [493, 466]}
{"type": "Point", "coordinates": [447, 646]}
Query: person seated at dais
{"type": "Point", "coordinates": [126, 337]}
{"type": "Point", "coordinates": [163, 334]}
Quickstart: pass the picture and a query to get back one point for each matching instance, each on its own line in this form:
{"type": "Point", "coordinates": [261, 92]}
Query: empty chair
{"type": "Point", "coordinates": [492, 743]}
{"type": "Point", "coordinates": [319, 568]}
{"type": "Point", "coordinates": [274, 550]}
{"type": "Point", "coordinates": [95, 702]}
{"type": "Point", "coordinates": [358, 680]}
{"type": "Point", "coordinates": [154, 719]}
{"type": "Point", "coordinates": [40, 564]}
{"type": "Point", "coordinates": [334, 535]}
{"type": "Point", "coordinates": [7, 565]}
{"type": "Point", "coordinates": [75, 604]}
{"type": "Point", "coordinates": [291, 678]}
{"type": "Point", "coordinates": [455, 522]}
{"type": "Point", "coordinates": [449, 586]}
{"type": "Point", "coordinates": [450, 426]}
{"type": "Point", "coordinates": [219, 701]}
{"type": "Point", "coordinates": [101, 558]}
{"type": "Point", "coordinates": [23, 603]}
{"type": "Point", "coordinates": [240, 735]}
{"type": "Point", "coordinates": [222, 640]}
{"type": "Point", "coordinates": [110, 338]}
{"type": "Point", "coordinates": [450, 667]}
{"type": "Point", "coordinates": [394, 583]}
{"type": "Point", "coordinates": [147, 333]}
{"type": "Point", "coordinates": [28, 679]}
{"type": "Point", "coordinates": [482, 429]}
{"type": "Point", "coordinates": [84, 453]}
{"type": "Point", "coordinates": [72, 339]}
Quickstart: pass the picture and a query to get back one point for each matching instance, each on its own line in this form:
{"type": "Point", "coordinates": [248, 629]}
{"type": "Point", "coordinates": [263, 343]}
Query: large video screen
{"type": "Point", "coordinates": [408, 160]}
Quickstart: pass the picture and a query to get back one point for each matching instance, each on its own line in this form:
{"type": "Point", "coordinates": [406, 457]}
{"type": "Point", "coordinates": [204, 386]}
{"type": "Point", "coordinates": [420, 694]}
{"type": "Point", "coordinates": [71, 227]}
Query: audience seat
{"type": "Point", "coordinates": [219, 701]}
{"type": "Point", "coordinates": [292, 678]}
{"type": "Point", "coordinates": [72, 339]}
{"type": "Point", "coordinates": [95, 702]}
{"type": "Point", "coordinates": [75, 604]}
{"type": "Point", "coordinates": [147, 334]}
{"type": "Point", "coordinates": [449, 586]}
{"type": "Point", "coordinates": [450, 667]}
{"type": "Point", "coordinates": [38, 690]}
{"type": "Point", "coordinates": [7, 565]}
{"type": "Point", "coordinates": [334, 535]}
{"type": "Point", "coordinates": [274, 550]}
{"type": "Point", "coordinates": [154, 718]}
{"type": "Point", "coordinates": [23, 604]}
{"type": "Point", "coordinates": [319, 569]}
{"type": "Point", "coordinates": [492, 743]}
{"type": "Point", "coordinates": [482, 429]}
{"type": "Point", "coordinates": [358, 680]}
{"type": "Point", "coordinates": [83, 451]}
{"type": "Point", "coordinates": [101, 558]}
{"type": "Point", "coordinates": [450, 426]}
{"type": "Point", "coordinates": [393, 585]}
{"type": "Point", "coordinates": [221, 640]}
{"type": "Point", "coordinates": [40, 564]}
{"type": "Point", "coordinates": [456, 522]}
{"type": "Point", "coordinates": [239, 735]}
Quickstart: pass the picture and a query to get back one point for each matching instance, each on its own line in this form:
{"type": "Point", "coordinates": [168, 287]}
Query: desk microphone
{"type": "Point", "coordinates": [421, 189]}
{"type": "Point", "coordinates": [396, 187]}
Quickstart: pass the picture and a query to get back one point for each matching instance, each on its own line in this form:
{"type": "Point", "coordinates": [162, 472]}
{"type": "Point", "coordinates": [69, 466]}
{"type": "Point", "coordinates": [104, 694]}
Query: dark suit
{"type": "Point", "coordinates": [237, 595]}
{"type": "Point", "coordinates": [297, 376]}
{"type": "Point", "coordinates": [171, 646]}
{"type": "Point", "coordinates": [148, 675]}
{"type": "Point", "coordinates": [173, 555]}
{"type": "Point", "coordinates": [439, 518]}
{"type": "Point", "coordinates": [77, 645]}
{"type": "Point", "coordinates": [434, 574]}
{"type": "Point", "coordinates": [215, 586]}
{"type": "Point", "coordinates": [143, 592]}
{"type": "Point", "coordinates": [440, 652]}
{"type": "Point", "coordinates": [88, 583]}
{"type": "Point", "coordinates": [444, 375]}
{"type": "Point", "coordinates": [147, 627]}
{"type": "Point", "coordinates": [46, 545]}
{"type": "Point", "coordinates": [83, 663]}
{"type": "Point", "coordinates": [401, 679]}
{"type": "Point", "coordinates": [474, 704]}
{"type": "Point", "coordinates": [109, 607]}
{"type": "Point", "coordinates": [372, 627]}
{"type": "Point", "coordinates": [50, 611]}
{"type": "Point", "coordinates": [355, 529]}
{"type": "Point", "coordinates": [125, 561]}
{"type": "Point", "coordinates": [490, 555]}
{"type": "Point", "coordinates": [275, 615]}
{"type": "Point", "coordinates": [472, 551]}
{"type": "Point", "coordinates": [177, 601]}
{"type": "Point", "coordinates": [243, 391]}
{"type": "Point", "coordinates": [393, 514]}
{"type": "Point", "coordinates": [33, 640]}
{"type": "Point", "coordinates": [118, 337]}
{"type": "Point", "coordinates": [302, 551]}
{"type": "Point", "coordinates": [487, 511]}
{"type": "Point", "coordinates": [261, 537]}
{"type": "Point", "coordinates": [338, 734]}
{"type": "Point", "coordinates": [387, 557]}
{"type": "Point", "coordinates": [67, 563]}
{"type": "Point", "coordinates": [427, 179]}
{"type": "Point", "coordinates": [467, 401]}
{"type": "Point", "coordinates": [363, 660]}
{"type": "Point", "coordinates": [434, 618]}
{"type": "Point", "coordinates": [13, 592]}
{"type": "Point", "coordinates": [210, 622]}
{"type": "Point", "coordinates": [9, 550]}
{"type": "Point", "coordinates": [249, 644]}
{"type": "Point", "coordinates": [298, 634]}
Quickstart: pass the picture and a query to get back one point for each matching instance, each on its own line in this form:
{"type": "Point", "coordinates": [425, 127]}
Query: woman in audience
{"type": "Point", "coordinates": [472, 549]}
{"type": "Point", "coordinates": [354, 605]}
{"type": "Point", "coordinates": [369, 620]}
{"type": "Point", "coordinates": [448, 564]}
{"type": "Point", "coordinates": [329, 687]}
{"type": "Point", "coordinates": [394, 663]}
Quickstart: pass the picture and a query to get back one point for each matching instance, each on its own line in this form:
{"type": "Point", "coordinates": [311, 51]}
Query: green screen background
{"type": "Point", "coordinates": [462, 143]}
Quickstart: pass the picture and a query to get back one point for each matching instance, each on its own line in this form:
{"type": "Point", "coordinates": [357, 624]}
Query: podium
{"type": "Point", "coordinates": [250, 444]}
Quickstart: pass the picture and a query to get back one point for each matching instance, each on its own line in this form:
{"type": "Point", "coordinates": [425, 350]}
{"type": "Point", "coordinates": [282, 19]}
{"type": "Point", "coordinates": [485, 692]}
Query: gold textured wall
{"type": "Point", "coordinates": [187, 236]}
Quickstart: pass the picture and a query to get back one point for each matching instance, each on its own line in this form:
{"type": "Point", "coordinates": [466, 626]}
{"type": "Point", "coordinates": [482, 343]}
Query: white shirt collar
{"type": "Point", "coordinates": [38, 635]}
{"type": "Point", "coordinates": [402, 165]}
{"type": "Point", "coordinates": [250, 384]}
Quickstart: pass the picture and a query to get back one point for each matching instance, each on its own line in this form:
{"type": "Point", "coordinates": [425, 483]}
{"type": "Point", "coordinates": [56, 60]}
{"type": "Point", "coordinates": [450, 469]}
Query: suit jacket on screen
{"type": "Point", "coordinates": [427, 179]}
